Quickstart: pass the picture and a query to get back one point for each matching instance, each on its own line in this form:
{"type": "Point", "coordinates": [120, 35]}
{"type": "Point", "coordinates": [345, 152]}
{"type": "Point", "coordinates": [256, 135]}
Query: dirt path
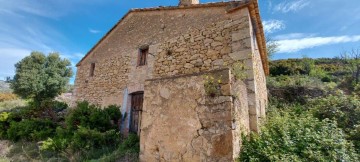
{"type": "Point", "coordinates": [4, 149]}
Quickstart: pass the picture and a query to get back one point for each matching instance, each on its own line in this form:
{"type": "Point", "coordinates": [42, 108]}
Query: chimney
{"type": "Point", "coordinates": [188, 2]}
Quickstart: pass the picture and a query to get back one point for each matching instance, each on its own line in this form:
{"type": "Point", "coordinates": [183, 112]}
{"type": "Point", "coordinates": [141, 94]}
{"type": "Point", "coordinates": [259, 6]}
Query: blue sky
{"type": "Point", "coordinates": [315, 28]}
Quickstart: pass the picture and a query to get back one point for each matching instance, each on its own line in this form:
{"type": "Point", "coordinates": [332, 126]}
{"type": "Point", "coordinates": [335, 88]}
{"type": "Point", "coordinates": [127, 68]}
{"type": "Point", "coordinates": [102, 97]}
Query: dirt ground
{"type": "Point", "coordinates": [5, 147]}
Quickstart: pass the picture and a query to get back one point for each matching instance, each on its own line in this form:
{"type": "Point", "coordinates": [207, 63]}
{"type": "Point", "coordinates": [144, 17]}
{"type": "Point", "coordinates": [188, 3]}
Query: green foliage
{"type": "Point", "coordinates": [295, 81]}
{"type": "Point", "coordinates": [271, 46]}
{"type": "Point", "coordinates": [308, 65]}
{"type": "Point", "coordinates": [314, 67]}
{"type": "Point", "coordinates": [326, 79]}
{"type": "Point", "coordinates": [128, 149]}
{"type": "Point", "coordinates": [212, 85]}
{"type": "Point", "coordinates": [92, 117]}
{"type": "Point", "coordinates": [286, 67]}
{"type": "Point", "coordinates": [114, 113]}
{"type": "Point", "coordinates": [239, 70]}
{"type": "Point", "coordinates": [344, 109]}
{"type": "Point", "coordinates": [290, 137]}
{"type": "Point", "coordinates": [4, 124]}
{"type": "Point", "coordinates": [354, 136]}
{"type": "Point", "coordinates": [89, 130]}
{"type": "Point", "coordinates": [131, 144]}
{"type": "Point", "coordinates": [319, 127]}
{"type": "Point", "coordinates": [4, 116]}
{"type": "Point", "coordinates": [88, 138]}
{"type": "Point", "coordinates": [34, 129]}
{"type": "Point", "coordinates": [41, 77]}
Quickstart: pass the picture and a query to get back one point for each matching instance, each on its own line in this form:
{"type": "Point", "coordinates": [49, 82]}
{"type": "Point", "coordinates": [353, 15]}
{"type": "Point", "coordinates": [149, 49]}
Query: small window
{"type": "Point", "coordinates": [142, 56]}
{"type": "Point", "coordinates": [92, 69]}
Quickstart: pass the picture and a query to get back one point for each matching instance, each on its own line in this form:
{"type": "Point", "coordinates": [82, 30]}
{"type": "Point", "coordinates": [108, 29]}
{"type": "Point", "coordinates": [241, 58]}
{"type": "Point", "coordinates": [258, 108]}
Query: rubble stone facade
{"type": "Point", "coordinates": [179, 121]}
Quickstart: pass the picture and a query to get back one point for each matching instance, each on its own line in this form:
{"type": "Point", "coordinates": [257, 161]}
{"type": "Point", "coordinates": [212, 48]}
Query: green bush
{"type": "Point", "coordinates": [344, 109]}
{"type": "Point", "coordinates": [286, 67]}
{"type": "Point", "coordinates": [289, 137]}
{"type": "Point", "coordinates": [295, 81]}
{"type": "Point", "coordinates": [326, 79]}
{"type": "Point", "coordinates": [114, 113]}
{"type": "Point", "coordinates": [88, 139]}
{"type": "Point", "coordinates": [4, 124]}
{"type": "Point", "coordinates": [89, 132]}
{"type": "Point", "coordinates": [132, 143]}
{"type": "Point", "coordinates": [31, 129]}
{"type": "Point", "coordinates": [92, 117]}
{"type": "Point", "coordinates": [354, 136]}
{"type": "Point", "coordinates": [128, 149]}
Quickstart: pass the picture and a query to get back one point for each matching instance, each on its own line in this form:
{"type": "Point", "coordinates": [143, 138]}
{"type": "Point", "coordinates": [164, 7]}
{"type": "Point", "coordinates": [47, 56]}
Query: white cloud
{"type": "Point", "coordinates": [271, 26]}
{"type": "Point", "coordinates": [293, 6]}
{"type": "Point", "coordinates": [94, 31]}
{"type": "Point", "coordinates": [9, 57]}
{"type": "Point", "coordinates": [295, 45]}
{"type": "Point", "coordinates": [23, 30]}
{"type": "Point", "coordinates": [293, 36]}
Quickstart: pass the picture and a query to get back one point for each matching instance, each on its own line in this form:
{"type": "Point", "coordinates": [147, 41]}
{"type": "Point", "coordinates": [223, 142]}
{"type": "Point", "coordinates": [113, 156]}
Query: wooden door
{"type": "Point", "coordinates": [136, 108]}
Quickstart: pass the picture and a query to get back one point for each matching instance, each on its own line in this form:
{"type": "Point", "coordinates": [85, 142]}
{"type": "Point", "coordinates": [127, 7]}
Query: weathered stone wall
{"type": "Point", "coordinates": [115, 57]}
{"type": "Point", "coordinates": [240, 114]}
{"type": "Point", "coordinates": [206, 49]}
{"type": "Point", "coordinates": [217, 46]}
{"type": "Point", "coordinates": [192, 126]}
{"type": "Point", "coordinates": [180, 122]}
{"type": "Point", "coordinates": [256, 84]}
{"type": "Point", "coordinates": [260, 82]}
{"type": "Point", "coordinates": [110, 78]}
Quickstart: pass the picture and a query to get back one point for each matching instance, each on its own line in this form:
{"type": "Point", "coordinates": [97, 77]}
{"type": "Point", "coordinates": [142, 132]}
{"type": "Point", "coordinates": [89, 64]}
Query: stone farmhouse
{"type": "Point", "coordinates": [190, 78]}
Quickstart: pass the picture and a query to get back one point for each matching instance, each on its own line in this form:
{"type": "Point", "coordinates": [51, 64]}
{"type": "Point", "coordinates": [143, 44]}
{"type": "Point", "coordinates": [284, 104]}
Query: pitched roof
{"type": "Point", "coordinates": [232, 6]}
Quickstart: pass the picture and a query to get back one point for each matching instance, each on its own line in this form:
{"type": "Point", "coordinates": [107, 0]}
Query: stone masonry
{"type": "Point", "coordinates": [179, 121]}
{"type": "Point", "coordinates": [203, 129]}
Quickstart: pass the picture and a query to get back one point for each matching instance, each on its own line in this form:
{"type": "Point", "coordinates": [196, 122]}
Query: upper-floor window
{"type": "Point", "coordinates": [142, 56]}
{"type": "Point", "coordinates": [92, 69]}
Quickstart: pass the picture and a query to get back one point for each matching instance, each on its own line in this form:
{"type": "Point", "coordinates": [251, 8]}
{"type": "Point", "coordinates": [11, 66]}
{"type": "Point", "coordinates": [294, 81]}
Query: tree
{"type": "Point", "coordinates": [271, 47]}
{"type": "Point", "coordinates": [41, 77]}
{"type": "Point", "coordinates": [8, 79]}
{"type": "Point", "coordinates": [308, 65]}
{"type": "Point", "coordinates": [352, 60]}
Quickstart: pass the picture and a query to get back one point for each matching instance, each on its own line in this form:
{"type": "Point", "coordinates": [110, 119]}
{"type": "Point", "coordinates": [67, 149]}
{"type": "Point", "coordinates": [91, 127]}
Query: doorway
{"type": "Point", "coordinates": [137, 100]}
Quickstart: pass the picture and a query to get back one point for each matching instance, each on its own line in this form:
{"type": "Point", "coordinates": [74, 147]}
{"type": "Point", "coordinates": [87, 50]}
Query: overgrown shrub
{"type": "Point", "coordinates": [295, 81]}
{"type": "Point", "coordinates": [132, 143]}
{"type": "Point", "coordinates": [114, 113]}
{"type": "Point", "coordinates": [128, 150]}
{"type": "Point", "coordinates": [31, 129]}
{"type": "Point", "coordinates": [326, 79]}
{"type": "Point", "coordinates": [89, 132]}
{"type": "Point", "coordinates": [344, 109]}
{"type": "Point", "coordinates": [4, 124]}
{"type": "Point", "coordinates": [88, 139]}
{"type": "Point", "coordinates": [92, 117]}
{"type": "Point", "coordinates": [289, 137]}
{"type": "Point", "coordinates": [354, 136]}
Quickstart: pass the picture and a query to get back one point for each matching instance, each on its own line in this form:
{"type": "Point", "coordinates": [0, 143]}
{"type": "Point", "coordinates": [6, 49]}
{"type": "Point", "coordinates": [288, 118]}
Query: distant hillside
{"type": "Point", "coordinates": [4, 87]}
{"type": "Point", "coordinates": [332, 66]}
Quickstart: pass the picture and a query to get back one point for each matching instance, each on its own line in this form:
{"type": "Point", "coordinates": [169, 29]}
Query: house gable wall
{"type": "Point", "coordinates": [116, 56]}
{"type": "Point", "coordinates": [182, 43]}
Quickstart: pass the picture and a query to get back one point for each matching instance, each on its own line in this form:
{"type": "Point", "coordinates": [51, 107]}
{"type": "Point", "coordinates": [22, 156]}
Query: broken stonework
{"type": "Point", "coordinates": [191, 126]}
